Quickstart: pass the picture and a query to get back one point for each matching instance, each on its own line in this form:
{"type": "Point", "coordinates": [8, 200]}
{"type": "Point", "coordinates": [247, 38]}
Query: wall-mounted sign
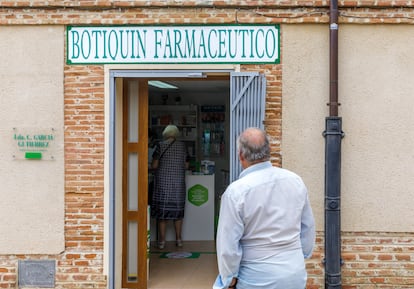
{"type": "Point", "coordinates": [34, 144]}
{"type": "Point", "coordinates": [173, 44]}
{"type": "Point", "coordinates": [198, 195]}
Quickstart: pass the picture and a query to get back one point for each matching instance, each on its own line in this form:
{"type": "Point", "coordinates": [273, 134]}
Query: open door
{"type": "Point", "coordinates": [247, 109]}
{"type": "Point", "coordinates": [134, 183]}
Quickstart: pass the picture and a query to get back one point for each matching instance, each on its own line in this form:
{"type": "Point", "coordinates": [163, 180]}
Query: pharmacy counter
{"type": "Point", "coordinates": [198, 224]}
{"type": "Point", "coordinates": [199, 208]}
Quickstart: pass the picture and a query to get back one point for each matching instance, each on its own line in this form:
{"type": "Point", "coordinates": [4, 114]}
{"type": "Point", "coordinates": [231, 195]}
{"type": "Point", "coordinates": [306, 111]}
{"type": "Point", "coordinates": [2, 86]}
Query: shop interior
{"type": "Point", "coordinates": [200, 109]}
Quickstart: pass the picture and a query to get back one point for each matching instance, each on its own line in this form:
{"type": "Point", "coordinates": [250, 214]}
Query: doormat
{"type": "Point", "coordinates": [180, 255]}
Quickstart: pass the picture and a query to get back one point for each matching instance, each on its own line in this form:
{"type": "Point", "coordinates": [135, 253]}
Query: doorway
{"type": "Point", "coordinates": [242, 97]}
{"type": "Point", "coordinates": [200, 109]}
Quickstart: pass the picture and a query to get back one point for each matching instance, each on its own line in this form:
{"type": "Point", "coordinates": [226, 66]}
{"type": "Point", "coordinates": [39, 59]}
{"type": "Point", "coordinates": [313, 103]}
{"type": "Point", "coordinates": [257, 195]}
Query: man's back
{"type": "Point", "coordinates": [271, 203]}
{"type": "Point", "coordinates": [266, 226]}
{"type": "Point", "coordinates": [263, 214]}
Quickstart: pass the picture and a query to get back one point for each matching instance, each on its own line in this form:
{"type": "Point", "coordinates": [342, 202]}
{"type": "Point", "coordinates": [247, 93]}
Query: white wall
{"type": "Point", "coordinates": [376, 87]}
{"type": "Point", "coordinates": [31, 101]}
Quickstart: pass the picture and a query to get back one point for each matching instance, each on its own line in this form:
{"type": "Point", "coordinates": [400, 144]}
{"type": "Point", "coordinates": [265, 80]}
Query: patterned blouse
{"type": "Point", "coordinates": [169, 194]}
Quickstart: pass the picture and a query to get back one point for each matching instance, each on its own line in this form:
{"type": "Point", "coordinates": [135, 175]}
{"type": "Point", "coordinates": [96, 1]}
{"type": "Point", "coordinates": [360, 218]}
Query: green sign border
{"type": "Point", "coordinates": [69, 27]}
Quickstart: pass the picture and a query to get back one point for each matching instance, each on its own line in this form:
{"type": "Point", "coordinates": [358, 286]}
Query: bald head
{"type": "Point", "coordinates": [253, 145]}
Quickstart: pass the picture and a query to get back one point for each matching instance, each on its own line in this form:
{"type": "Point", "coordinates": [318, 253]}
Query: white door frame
{"type": "Point", "coordinates": [112, 72]}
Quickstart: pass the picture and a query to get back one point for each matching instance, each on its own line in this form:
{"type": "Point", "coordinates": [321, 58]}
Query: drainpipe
{"type": "Point", "coordinates": [333, 135]}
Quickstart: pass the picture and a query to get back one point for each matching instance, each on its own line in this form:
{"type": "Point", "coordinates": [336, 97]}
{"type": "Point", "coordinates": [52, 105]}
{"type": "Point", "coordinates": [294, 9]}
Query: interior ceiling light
{"type": "Point", "coordinates": [161, 84]}
{"type": "Point", "coordinates": [197, 75]}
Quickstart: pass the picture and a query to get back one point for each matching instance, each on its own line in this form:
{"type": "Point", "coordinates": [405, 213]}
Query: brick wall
{"type": "Point", "coordinates": [82, 264]}
{"type": "Point", "coordinates": [371, 260]}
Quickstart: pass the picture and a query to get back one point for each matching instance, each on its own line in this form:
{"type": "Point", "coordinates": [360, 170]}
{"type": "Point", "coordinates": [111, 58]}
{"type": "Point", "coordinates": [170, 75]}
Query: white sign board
{"type": "Point", "coordinates": [173, 44]}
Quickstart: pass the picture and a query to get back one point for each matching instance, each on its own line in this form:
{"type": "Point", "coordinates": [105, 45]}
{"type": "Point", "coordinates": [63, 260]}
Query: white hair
{"type": "Point", "coordinates": [170, 131]}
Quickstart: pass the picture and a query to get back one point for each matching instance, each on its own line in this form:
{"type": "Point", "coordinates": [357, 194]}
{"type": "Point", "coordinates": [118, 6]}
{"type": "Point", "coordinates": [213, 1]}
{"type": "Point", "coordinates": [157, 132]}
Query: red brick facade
{"type": "Point", "coordinates": [371, 260]}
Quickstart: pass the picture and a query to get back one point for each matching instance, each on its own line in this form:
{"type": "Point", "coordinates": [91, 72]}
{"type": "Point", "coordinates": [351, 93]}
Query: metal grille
{"type": "Point", "coordinates": [247, 109]}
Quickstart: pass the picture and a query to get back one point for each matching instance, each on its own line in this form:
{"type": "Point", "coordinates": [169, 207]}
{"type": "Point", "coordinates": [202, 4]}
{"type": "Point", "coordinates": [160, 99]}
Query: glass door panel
{"type": "Point", "coordinates": [132, 265]}
{"type": "Point", "coordinates": [132, 182]}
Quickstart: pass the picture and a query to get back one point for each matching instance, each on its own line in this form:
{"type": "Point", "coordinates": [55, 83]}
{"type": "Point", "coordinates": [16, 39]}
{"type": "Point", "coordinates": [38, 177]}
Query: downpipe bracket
{"type": "Point", "coordinates": [325, 133]}
{"type": "Point", "coordinates": [333, 280]}
{"type": "Point", "coordinates": [323, 262]}
{"type": "Point", "coordinates": [333, 127]}
{"type": "Point", "coordinates": [332, 203]}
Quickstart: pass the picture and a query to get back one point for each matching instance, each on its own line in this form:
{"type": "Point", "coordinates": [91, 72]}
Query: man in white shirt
{"type": "Point", "coordinates": [266, 226]}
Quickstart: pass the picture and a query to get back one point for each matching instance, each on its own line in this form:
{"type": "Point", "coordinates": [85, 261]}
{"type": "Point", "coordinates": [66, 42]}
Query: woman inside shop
{"type": "Point", "coordinates": [170, 163]}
